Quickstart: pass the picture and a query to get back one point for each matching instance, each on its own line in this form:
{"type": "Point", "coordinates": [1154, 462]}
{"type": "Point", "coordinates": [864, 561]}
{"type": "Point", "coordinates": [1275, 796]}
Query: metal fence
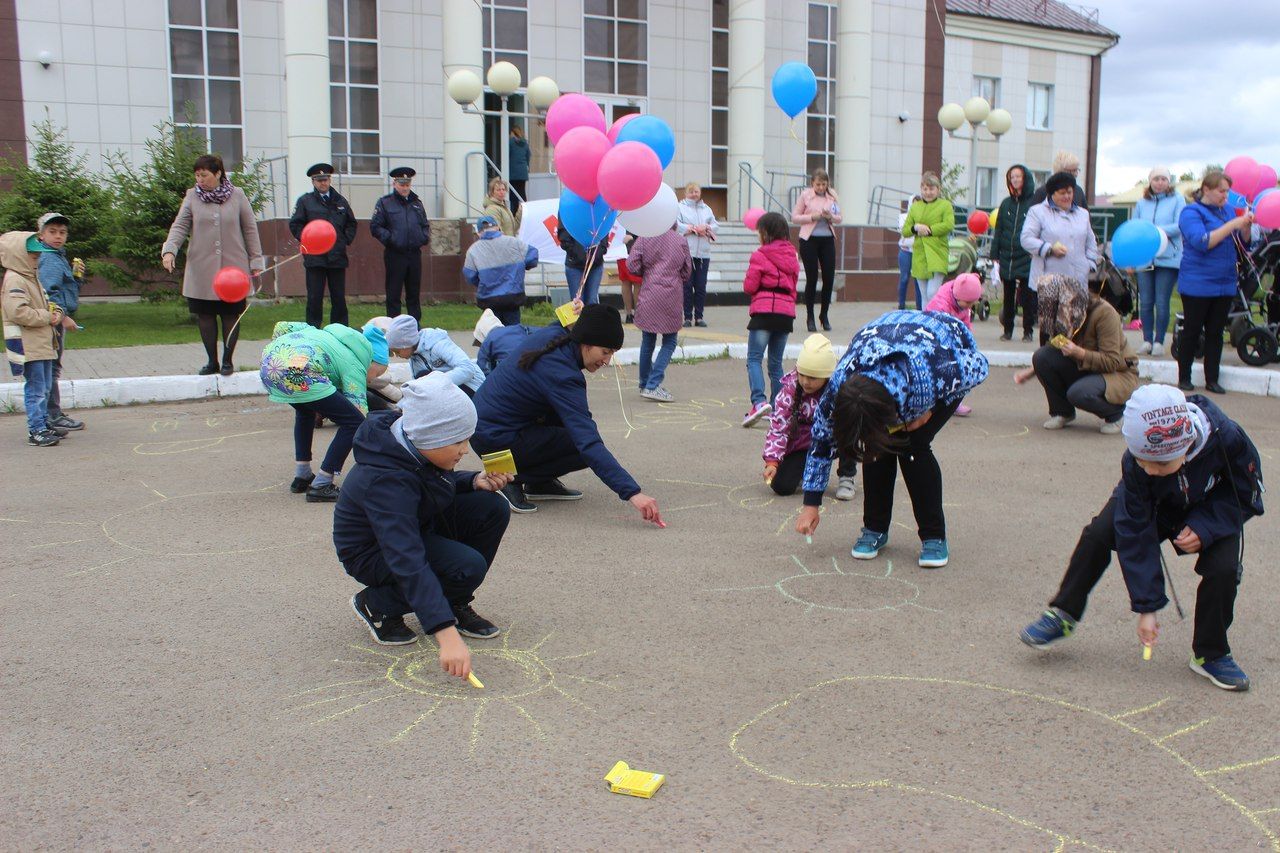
{"type": "Point", "coordinates": [426, 183]}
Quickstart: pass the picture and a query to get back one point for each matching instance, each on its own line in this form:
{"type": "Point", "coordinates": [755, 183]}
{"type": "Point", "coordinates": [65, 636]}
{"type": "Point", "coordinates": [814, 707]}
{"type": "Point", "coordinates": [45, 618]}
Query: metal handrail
{"type": "Point", "coordinates": [747, 176]}
{"type": "Point", "coordinates": [496, 172]}
{"type": "Point", "coordinates": [876, 204]}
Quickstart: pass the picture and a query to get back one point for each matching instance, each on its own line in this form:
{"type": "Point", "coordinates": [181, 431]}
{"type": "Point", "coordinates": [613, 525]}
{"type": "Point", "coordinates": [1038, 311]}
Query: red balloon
{"type": "Point", "coordinates": [318, 237]}
{"type": "Point", "coordinates": [232, 283]}
{"type": "Point", "coordinates": [979, 222]}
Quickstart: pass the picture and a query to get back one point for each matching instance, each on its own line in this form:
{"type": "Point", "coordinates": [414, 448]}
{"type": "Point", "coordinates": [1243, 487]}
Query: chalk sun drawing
{"type": "Point", "coordinates": [829, 590]}
{"type": "Point", "coordinates": [932, 738]}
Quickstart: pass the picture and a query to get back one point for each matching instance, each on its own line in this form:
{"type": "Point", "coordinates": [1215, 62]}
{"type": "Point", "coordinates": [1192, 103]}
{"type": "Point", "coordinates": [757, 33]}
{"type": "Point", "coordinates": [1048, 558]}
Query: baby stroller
{"type": "Point", "coordinates": [962, 257]}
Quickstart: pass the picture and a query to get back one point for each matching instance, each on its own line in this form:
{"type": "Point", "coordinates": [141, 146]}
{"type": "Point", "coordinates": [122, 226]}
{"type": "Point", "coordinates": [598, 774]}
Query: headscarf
{"type": "Point", "coordinates": [1064, 301]}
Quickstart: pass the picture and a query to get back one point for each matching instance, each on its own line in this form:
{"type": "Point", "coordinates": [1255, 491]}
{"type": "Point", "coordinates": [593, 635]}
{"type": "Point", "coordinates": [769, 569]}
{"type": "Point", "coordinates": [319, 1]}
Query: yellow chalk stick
{"type": "Point", "coordinates": [1146, 653]}
{"type": "Point", "coordinates": [475, 682]}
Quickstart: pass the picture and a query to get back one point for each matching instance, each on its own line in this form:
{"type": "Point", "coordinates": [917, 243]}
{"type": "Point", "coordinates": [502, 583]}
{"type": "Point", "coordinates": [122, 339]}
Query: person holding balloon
{"type": "Point", "coordinates": [223, 232]}
{"type": "Point", "coordinates": [583, 265]}
{"type": "Point", "coordinates": [1161, 205]}
{"type": "Point", "coordinates": [1058, 236]}
{"type": "Point", "coordinates": [930, 219]}
{"type": "Point", "coordinates": [697, 222]}
{"type": "Point", "coordinates": [1006, 248]}
{"type": "Point", "coordinates": [816, 211]}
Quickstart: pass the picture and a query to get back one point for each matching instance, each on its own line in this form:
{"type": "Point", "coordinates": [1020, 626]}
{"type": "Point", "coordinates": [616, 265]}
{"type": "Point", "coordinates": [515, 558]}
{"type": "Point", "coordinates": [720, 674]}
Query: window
{"type": "Point", "coordinates": [719, 93]}
{"type": "Point", "coordinates": [988, 88]}
{"type": "Point", "coordinates": [204, 74]}
{"type": "Point", "coordinates": [820, 139]}
{"type": "Point", "coordinates": [1039, 106]}
{"type": "Point", "coordinates": [615, 46]}
{"type": "Point", "coordinates": [353, 86]}
{"type": "Point", "coordinates": [1040, 178]}
{"type": "Point", "coordinates": [986, 187]}
{"type": "Point", "coordinates": [506, 34]}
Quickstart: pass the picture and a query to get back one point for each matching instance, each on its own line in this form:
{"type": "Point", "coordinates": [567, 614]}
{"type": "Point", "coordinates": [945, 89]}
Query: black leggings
{"type": "Point", "coordinates": [791, 471]}
{"type": "Point", "coordinates": [1016, 293]}
{"type": "Point", "coordinates": [818, 252]}
{"type": "Point", "coordinates": [1207, 314]}
{"type": "Point", "coordinates": [923, 477]}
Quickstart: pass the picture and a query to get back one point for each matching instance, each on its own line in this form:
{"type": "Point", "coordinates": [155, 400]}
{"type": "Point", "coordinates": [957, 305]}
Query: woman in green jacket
{"type": "Point", "coordinates": [322, 372]}
{"type": "Point", "coordinates": [1006, 249]}
{"type": "Point", "coordinates": [930, 220]}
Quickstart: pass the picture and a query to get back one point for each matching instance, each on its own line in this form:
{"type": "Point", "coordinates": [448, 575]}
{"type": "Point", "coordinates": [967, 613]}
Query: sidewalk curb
{"type": "Point", "coordinates": [125, 391]}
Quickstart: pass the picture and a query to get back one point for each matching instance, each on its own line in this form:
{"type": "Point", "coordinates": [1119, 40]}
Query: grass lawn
{"type": "Point", "coordinates": [131, 324]}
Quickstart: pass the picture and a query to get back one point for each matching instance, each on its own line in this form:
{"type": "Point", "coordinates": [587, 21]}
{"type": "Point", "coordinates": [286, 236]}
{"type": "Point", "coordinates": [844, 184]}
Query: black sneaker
{"type": "Point", "coordinates": [472, 624]}
{"type": "Point", "coordinates": [515, 496]}
{"type": "Point", "coordinates": [551, 490]}
{"type": "Point", "coordinates": [63, 421]}
{"type": "Point", "coordinates": [43, 438]}
{"type": "Point", "coordinates": [58, 431]}
{"type": "Point", "coordinates": [326, 494]}
{"type": "Point", "coordinates": [387, 630]}
{"type": "Point", "coordinates": [300, 484]}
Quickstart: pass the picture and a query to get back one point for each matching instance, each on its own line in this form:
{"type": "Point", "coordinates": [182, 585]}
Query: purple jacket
{"type": "Point", "coordinates": [664, 263]}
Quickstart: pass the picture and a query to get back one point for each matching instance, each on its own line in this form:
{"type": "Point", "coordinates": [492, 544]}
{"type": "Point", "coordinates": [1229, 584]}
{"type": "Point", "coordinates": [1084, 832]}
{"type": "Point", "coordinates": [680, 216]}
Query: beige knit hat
{"type": "Point", "coordinates": [817, 358]}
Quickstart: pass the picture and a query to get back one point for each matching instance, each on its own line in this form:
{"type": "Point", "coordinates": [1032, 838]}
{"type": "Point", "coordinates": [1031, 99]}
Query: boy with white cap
{"type": "Point", "coordinates": [419, 535]}
{"type": "Point", "coordinates": [1192, 476]}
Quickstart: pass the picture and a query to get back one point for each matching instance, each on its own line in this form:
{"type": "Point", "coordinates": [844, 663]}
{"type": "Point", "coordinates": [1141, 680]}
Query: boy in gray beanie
{"type": "Point", "coordinates": [418, 534]}
{"type": "Point", "coordinates": [1192, 476]}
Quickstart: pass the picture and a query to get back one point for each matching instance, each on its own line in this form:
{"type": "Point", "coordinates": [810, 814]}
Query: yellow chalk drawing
{"type": "Point", "coordinates": [513, 677]}
{"type": "Point", "coordinates": [902, 691]}
{"type": "Point", "coordinates": [805, 587]}
{"type": "Point", "coordinates": [165, 448]}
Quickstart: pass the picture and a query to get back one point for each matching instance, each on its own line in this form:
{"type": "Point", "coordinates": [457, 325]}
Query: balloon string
{"type": "Point", "coordinates": [279, 264]}
{"type": "Point", "coordinates": [617, 375]}
{"type": "Point", "coordinates": [793, 131]}
{"type": "Point", "coordinates": [258, 290]}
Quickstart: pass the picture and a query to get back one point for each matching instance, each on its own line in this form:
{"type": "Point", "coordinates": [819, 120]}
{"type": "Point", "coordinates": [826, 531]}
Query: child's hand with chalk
{"type": "Point", "coordinates": [807, 523]}
{"type": "Point", "coordinates": [1148, 630]}
{"type": "Point", "coordinates": [770, 470]}
{"type": "Point", "coordinates": [455, 657]}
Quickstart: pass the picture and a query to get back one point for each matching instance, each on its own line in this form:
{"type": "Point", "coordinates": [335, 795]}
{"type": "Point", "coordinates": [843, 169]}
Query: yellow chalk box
{"type": "Point", "coordinates": [634, 783]}
{"type": "Point", "coordinates": [499, 462]}
{"type": "Point", "coordinates": [566, 315]}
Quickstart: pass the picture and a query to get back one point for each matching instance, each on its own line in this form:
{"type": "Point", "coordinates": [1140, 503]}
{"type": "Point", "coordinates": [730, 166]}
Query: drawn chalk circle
{"type": "Point", "coordinates": [508, 674]}
{"type": "Point", "coordinates": [848, 592]}
{"type": "Point", "coordinates": [204, 525]}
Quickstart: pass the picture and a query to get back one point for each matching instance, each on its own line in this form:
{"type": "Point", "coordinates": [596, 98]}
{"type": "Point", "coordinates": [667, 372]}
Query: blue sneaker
{"type": "Point", "coordinates": [933, 553]}
{"type": "Point", "coordinates": [1223, 672]}
{"type": "Point", "coordinates": [869, 544]}
{"type": "Point", "coordinates": [1053, 625]}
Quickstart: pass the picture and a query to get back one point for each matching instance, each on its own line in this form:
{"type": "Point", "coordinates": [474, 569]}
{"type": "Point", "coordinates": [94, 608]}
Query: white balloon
{"type": "Point", "coordinates": [656, 216]}
{"type": "Point", "coordinates": [1164, 243]}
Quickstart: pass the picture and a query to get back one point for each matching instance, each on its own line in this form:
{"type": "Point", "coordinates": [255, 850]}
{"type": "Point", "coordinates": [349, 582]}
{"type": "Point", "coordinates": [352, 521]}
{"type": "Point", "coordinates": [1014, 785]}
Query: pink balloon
{"type": "Point", "coordinates": [578, 157]}
{"type": "Point", "coordinates": [1267, 213]}
{"type": "Point", "coordinates": [617, 125]}
{"type": "Point", "coordinates": [629, 175]}
{"type": "Point", "coordinates": [1244, 173]}
{"type": "Point", "coordinates": [1266, 179]}
{"type": "Point", "coordinates": [570, 111]}
{"type": "Point", "coordinates": [752, 217]}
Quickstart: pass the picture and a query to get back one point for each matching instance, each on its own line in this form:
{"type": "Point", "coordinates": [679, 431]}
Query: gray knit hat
{"type": "Point", "coordinates": [435, 412]}
{"type": "Point", "coordinates": [403, 332]}
{"type": "Point", "coordinates": [1158, 423]}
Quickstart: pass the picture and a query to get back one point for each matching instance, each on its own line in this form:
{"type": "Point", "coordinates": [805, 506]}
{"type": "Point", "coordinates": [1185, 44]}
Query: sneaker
{"type": "Point", "coordinates": [869, 544]}
{"type": "Point", "coordinates": [472, 624]}
{"type": "Point", "coordinates": [688, 324]}
{"type": "Point", "coordinates": [700, 323]}
{"type": "Point", "coordinates": [963, 411]}
{"type": "Point", "coordinates": [1026, 337]}
{"type": "Point", "coordinates": [63, 421]}
{"type": "Point", "coordinates": [660, 394]}
{"type": "Point", "coordinates": [1145, 349]}
{"type": "Point", "coordinates": [630, 320]}
{"type": "Point", "coordinates": [1185, 386]}
{"type": "Point", "coordinates": [43, 438]}
{"type": "Point", "coordinates": [933, 554]}
{"type": "Point", "coordinates": [758, 411]}
{"type": "Point", "coordinates": [515, 496]}
{"type": "Point", "coordinates": [551, 490]}
{"type": "Point", "coordinates": [300, 484]}
{"type": "Point", "coordinates": [58, 431]}
{"type": "Point", "coordinates": [1053, 625]}
{"type": "Point", "coordinates": [1157, 350]}
{"type": "Point", "coordinates": [385, 630]}
{"type": "Point", "coordinates": [845, 489]}
{"type": "Point", "coordinates": [1057, 422]}
{"type": "Point", "coordinates": [1109, 428]}
{"type": "Point", "coordinates": [1223, 672]}
{"type": "Point", "coordinates": [326, 494]}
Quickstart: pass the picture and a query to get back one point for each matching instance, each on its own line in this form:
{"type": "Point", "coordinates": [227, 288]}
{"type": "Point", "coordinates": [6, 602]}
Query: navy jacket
{"type": "Point", "coordinates": [400, 223]}
{"type": "Point", "coordinates": [1214, 494]}
{"type": "Point", "coordinates": [337, 211]}
{"type": "Point", "coordinates": [551, 393]}
{"type": "Point", "coordinates": [500, 344]}
{"type": "Point", "coordinates": [388, 499]}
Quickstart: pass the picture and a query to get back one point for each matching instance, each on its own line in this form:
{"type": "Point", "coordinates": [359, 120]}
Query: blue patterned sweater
{"type": "Point", "coordinates": [923, 358]}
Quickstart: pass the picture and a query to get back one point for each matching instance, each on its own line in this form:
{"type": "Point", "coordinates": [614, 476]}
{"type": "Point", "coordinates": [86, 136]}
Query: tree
{"type": "Point", "coordinates": [1185, 176]}
{"type": "Point", "coordinates": [58, 179]}
{"type": "Point", "coordinates": [952, 178]}
{"type": "Point", "coordinates": [148, 197]}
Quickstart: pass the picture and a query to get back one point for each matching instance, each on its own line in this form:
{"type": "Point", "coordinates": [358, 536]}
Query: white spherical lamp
{"type": "Point", "coordinates": [951, 116]}
{"type": "Point", "coordinates": [464, 87]}
{"type": "Point", "coordinates": [543, 92]}
{"type": "Point", "coordinates": [504, 78]}
{"type": "Point", "coordinates": [976, 110]}
{"type": "Point", "coordinates": [999, 122]}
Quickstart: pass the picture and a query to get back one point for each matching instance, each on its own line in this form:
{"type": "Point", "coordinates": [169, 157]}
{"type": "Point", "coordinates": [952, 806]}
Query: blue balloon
{"type": "Point", "coordinates": [1236, 200]}
{"type": "Point", "coordinates": [794, 87]}
{"type": "Point", "coordinates": [589, 223]}
{"type": "Point", "coordinates": [1135, 243]}
{"type": "Point", "coordinates": [655, 133]}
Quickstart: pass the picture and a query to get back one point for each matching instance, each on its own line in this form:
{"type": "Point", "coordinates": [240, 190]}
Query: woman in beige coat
{"type": "Point", "coordinates": [219, 220]}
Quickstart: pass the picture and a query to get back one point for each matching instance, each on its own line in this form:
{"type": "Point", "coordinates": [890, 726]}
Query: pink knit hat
{"type": "Point", "coordinates": [967, 287]}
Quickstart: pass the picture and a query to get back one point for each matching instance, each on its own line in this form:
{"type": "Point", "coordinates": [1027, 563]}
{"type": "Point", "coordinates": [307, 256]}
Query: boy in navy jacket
{"type": "Point", "coordinates": [419, 535]}
{"type": "Point", "coordinates": [1192, 476]}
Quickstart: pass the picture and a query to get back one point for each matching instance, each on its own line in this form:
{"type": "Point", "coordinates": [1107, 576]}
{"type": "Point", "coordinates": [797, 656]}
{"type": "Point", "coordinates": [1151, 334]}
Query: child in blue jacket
{"type": "Point", "coordinates": [60, 279]}
{"type": "Point", "coordinates": [431, 351]}
{"type": "Point", "coordinates": [1192, 476]}
{"type": "Point", "coordinates": [496, 341]}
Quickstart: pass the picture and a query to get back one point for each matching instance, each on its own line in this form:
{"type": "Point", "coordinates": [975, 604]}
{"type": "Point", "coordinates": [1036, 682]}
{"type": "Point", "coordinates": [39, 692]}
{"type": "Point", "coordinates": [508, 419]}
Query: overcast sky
{"type": "Point", "coordinates": [1191, 82]}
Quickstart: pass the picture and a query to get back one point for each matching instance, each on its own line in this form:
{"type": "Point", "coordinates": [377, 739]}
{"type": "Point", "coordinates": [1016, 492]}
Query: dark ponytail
{"type": "Point", "coordinates": [863, 413]}
{"type": "Point", "coordinates": [527, 359]}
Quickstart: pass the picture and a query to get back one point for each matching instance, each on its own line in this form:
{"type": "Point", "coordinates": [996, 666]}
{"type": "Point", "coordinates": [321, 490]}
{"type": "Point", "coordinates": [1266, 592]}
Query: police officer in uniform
{"type": "Point", "coordinates": [323, 202]}
{"type": "Point", "coordinates": [400, 224]}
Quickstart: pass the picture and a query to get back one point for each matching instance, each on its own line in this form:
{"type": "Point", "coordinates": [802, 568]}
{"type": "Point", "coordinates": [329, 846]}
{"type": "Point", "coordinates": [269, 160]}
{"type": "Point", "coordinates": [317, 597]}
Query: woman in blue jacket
{"type": "Point", "coordinates": [1207, 279]}
{"type": "Point", "coordinates": [1160, 204]}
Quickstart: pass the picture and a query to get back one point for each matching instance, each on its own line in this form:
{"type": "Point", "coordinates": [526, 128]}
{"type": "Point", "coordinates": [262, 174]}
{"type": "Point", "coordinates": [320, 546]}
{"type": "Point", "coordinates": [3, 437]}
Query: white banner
{"type": "Point", "coordinates": [538, 225]}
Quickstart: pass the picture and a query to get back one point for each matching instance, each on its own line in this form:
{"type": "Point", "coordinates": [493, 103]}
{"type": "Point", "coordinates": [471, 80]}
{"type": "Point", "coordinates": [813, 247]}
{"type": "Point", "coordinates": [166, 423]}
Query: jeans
{"type": "Point", "coordinates": [920, 471]}
{"type": "Point", "coordinates": [818, 252]}
{"type": "Point", "coordinates": [590, 291]}
{"type": "Point", "coordinates": [695, 289]}
{"type": "Point", "coordinates": [55, 394]}
{"type": "Point", "coordinates": [1218, 566]}
{"type": "Point", "coordinates": [790, 473]}
{"type": "Point", "coordinates": [37, 378]}
{"type": "Point", "coordinates": [904, 276]}
{"type": "Point", "coordinates": [509, 316]}
{"type": "Point", "coordinates": [1017, 293]}
{"type": "Point", "coordinates": [1207, 313]}
{"type": "Point", "coordinates": [654, 370]}
{"type": "Point", "coordinates": [336, 408]}
{"type": "Point", "coordinates": [336, 279]}
{"type": "Point", "coordinates": [930, 286]}
{"type": "Point", "coordinates": [757, 341]}
{"type": "Point", "coordinates": [1068, 388]}
{"type": "Point", "coordinates": [1155, 288]}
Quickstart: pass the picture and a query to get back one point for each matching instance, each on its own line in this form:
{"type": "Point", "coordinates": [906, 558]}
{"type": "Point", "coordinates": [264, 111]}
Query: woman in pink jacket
{"type": "Point", "coordinates": [663, 263]}
{"type": "Point", "coordinates": [957, 298]}
{"type": "Point", "coordinates": [771, 283]}
{"type": "Point", "coordinates": [816, 211]}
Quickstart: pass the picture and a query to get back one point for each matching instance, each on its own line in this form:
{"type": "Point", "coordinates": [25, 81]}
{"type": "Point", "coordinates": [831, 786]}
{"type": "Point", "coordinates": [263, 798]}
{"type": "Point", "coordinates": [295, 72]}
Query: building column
{"type": "Point", "coordinates": [935, 52]}
{"type": "Point", "coordinates": [746, 101]}
{"type": "Point", "coordinates": [853, 107]}
{"type": "Point", "coordinates": [306, 61]}
{"type": "Point", "coordinates": [462, 46]}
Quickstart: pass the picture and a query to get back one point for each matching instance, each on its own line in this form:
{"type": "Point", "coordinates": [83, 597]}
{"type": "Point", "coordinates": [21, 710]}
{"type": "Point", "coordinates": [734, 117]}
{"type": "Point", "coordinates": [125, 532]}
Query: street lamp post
{"type": "Point", "coordinates": [504, 81]}
{"type": "Point", "coordinates": [978, 113]}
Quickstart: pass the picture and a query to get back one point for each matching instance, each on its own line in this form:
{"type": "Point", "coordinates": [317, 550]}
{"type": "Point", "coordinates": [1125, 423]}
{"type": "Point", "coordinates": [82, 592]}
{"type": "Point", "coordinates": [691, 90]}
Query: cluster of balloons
{"type": "Point", "coordinates": [607, 170]}
{"type": "Point", "coordinates": [1253, 183]}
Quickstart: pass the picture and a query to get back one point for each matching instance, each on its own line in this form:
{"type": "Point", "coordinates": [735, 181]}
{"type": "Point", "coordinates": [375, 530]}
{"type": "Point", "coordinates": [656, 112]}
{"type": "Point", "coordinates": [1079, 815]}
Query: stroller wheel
{"type": "Point", "coordinates": [1257, 346]}
{"type": "Point", "coordinates": [984, 310]}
